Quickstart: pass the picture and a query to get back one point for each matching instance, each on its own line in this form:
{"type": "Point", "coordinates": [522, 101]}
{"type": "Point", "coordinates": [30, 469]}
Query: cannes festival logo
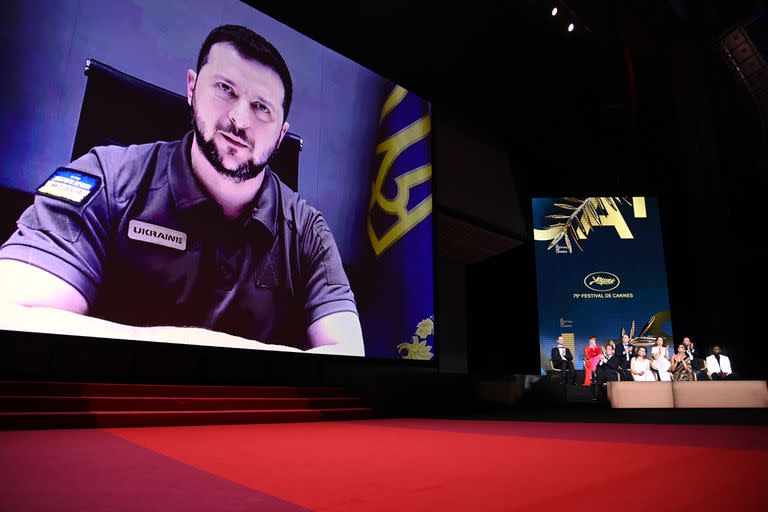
{"type": "Point", "coordinates": [602, 281]}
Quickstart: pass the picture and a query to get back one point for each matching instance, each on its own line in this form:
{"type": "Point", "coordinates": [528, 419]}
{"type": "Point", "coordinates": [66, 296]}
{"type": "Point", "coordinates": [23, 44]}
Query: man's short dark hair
{"type": "Point", "coordinates": [250, 45]}
{"type": "Point", "coordinates": [593, 337]}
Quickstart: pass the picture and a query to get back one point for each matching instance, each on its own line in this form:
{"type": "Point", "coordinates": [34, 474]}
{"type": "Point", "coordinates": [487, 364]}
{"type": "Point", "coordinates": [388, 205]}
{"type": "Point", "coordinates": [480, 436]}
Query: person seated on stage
{"type": "Point", "coordinates": [681, 365]}
{"type": "Point", "coordinates": [562, 359]}
{"type": "Point", "coordinates": [660, 359]}
{"type": "Point", "coordinates": [607, 370]}
{"type": "Point", "coordinates": [624, 353]}
{"type": "Point", "coordinates": [591, 357]}
{"type": "Point", "coordinates": [719, 365]}
{"type": "Point", "coordinates": [696, 357]}
{"type": "Point", "coordinates": [640, 367]}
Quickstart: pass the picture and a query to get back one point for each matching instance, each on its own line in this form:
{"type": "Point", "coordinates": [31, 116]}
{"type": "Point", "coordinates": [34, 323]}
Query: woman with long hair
{"type": "Point", "coordinates": [660, 359]}
{"type": "Point", "coordinates": [640, 367]}
{"type": "Point", "coordinates": [681, 368]}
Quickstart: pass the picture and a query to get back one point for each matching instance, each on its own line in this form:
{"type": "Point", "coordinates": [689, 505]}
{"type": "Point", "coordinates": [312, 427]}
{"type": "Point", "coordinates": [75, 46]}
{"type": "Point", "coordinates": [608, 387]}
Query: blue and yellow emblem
{"type": "Point", "coordinates": [400, 276]}
{"type": "Point", "coordinates": [73, 186]}
{"type": "Point", "coordinates": [401, 195]}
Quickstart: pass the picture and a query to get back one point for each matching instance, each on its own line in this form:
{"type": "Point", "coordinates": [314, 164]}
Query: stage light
{"type": "Point", "coordinates": [570, 27]}
{"type": "Point", "coordinates": [554, 11]}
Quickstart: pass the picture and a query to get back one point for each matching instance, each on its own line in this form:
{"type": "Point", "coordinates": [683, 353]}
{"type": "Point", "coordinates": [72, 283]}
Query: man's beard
{"type": "Point", "coordinates": [247, 170]}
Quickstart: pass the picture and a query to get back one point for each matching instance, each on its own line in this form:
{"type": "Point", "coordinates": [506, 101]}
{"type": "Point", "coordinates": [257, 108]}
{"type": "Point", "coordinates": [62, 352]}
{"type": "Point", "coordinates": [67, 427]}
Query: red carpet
{"type": "Point", "coordinates": [387, 465]}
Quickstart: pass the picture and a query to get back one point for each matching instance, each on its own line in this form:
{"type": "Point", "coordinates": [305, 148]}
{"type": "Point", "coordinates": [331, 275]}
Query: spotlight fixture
{"type": "Point", "coordinates": [554, 11]}
{"type": "Point", "coordinates": [570, 27]}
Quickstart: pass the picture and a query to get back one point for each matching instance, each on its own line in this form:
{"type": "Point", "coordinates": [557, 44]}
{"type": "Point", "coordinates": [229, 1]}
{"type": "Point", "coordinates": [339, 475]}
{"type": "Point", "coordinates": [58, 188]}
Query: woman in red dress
{"type": "Point", "coordinates": [591, 358]}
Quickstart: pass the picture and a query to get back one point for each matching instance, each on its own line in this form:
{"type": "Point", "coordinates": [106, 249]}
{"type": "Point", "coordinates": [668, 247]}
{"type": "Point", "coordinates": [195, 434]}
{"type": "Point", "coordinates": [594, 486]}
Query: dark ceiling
{"type": "Point", "coordinates": [513, 72]}
{"type": "Point", "coordinates": [466, 55]}
{"type": "Point", "coordinates": [446, 54]}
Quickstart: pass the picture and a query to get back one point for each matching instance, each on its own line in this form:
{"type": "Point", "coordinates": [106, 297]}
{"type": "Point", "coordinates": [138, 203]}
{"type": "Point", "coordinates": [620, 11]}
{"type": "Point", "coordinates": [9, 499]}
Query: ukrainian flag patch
{"type": "Point", "coordinates": [69, 185]}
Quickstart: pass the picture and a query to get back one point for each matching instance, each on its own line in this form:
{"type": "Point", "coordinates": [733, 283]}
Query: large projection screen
{"type": "Point", "coordinates": [189, 238]}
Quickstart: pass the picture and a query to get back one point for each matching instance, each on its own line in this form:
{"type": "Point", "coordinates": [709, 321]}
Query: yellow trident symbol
{"type": "Point", "coordinates": [392, 147]}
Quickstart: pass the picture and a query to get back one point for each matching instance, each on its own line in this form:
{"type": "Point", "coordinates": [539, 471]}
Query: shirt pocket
{"type": "Point", "coordinates": [53, 217]}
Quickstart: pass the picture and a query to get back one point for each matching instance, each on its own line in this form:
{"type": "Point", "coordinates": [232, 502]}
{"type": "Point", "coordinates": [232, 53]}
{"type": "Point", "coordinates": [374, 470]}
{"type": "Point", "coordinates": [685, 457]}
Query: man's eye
{"type": "Point", "coordinates": [262, 108]}
{"type": "Point", "coordinates": [225, 88]}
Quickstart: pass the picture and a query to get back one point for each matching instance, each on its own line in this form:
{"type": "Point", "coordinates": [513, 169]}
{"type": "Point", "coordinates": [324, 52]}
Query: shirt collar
{"type": "Point", "coordinates": [187, 192]}
{"type": "Point", "coordinates": [185, 189]}
{"type": "Point", "coordinates": [265, 205]}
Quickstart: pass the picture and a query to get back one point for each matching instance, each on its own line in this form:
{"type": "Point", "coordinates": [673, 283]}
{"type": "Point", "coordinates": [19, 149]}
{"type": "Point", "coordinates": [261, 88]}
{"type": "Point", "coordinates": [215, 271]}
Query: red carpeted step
{"type": "Point", "coordinates": [29, 388]}
{"type": "Point", "coordinates": [82, 405]}
{"type": "Point", "coordinates": [74, 404]}
{"type": "Point", "coordinates": [27, 420]}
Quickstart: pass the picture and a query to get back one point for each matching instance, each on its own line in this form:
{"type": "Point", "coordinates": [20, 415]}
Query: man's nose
{"type": "Point", "coordinates": [240, 115]}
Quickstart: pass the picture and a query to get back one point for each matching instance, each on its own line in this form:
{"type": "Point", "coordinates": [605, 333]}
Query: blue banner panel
{"type": "Point", "coordinates": [599, 269]}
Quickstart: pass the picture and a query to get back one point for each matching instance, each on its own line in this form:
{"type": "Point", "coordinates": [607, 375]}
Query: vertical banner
{"type": "Point", "coordinates": [399, 301]}
{"type": "Point", "coordinates": [600, 269]}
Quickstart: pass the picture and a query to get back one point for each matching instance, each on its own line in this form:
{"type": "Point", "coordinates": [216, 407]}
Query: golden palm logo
{"type": "Point", "coordinates": [391, 148]}
{"type": "Point", "coordinates": [602, 281]}
{"type": "Point", "coordinates": [577, 217]}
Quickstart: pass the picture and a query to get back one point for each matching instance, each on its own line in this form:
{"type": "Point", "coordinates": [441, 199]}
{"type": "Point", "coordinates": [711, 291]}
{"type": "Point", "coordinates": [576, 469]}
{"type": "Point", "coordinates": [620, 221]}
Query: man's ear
{"type": "Point", "coordinates": [283, 130]}
{"type": "Point", "coordinates": [191, 81]}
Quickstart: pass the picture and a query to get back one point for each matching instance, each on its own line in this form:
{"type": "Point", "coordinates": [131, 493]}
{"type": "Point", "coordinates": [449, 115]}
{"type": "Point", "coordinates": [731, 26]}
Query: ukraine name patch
{"type": "Point", "coordinates": [154, 234]}
{"type": "Point", "coordinates": [70, 185]}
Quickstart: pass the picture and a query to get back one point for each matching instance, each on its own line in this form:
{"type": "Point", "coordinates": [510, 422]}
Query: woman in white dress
{"type": "Point", "coordinates": [640, 367]}
{"type": "Point", "coordinates": [660, 360]}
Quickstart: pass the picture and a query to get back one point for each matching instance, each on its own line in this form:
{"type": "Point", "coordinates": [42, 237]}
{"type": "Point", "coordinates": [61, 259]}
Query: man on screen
{"type": "Point", "coordinates": [195, 240]}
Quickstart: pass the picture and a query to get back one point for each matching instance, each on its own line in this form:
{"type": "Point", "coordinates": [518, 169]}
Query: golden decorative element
{"type": "Point", "coordinates": [417, 348]}
{"type": "Point", "coordinates": [651, 330]}
{"type": "Point", "coordinates": [391, 148]}
{"type": "Point", "coordinates": [580, 216]}
{"type": "Point", "coordinates": [425, 328]}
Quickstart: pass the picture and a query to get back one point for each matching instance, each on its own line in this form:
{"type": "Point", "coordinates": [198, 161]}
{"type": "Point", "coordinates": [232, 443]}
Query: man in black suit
{"type": "Point", "coordinates": [562, 359]}
{"type": "Point", "coordinates": [624, 354]}
{"type": "Point", "coordinates": [696, 357]}
{"type": "Point", "coordinates": [607, 370]}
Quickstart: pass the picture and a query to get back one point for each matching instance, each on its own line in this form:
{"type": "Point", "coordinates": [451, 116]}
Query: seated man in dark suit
{"type": "Point", "coordinates": [696, 357]}
{"type": "Point", "coordinates": [607, 370]}
{"type": "Point", "coordinates": [562, 359]}
{"type": "Point", "coordinates": [624, 354]}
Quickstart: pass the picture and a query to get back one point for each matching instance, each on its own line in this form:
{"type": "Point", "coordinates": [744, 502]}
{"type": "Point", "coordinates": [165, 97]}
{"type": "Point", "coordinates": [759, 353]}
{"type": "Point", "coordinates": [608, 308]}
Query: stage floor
{"type": "Point", "coordinates": [388, 465]}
